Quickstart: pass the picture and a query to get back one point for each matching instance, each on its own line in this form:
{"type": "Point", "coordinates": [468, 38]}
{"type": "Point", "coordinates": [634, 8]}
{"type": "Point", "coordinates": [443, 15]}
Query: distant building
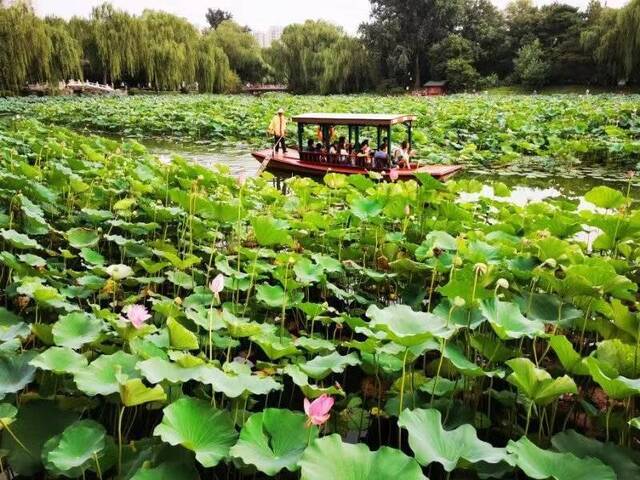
{"type": "Point", "coordinates": [265, 39]}
{"type": "Point", "coordinates": [433, 89]}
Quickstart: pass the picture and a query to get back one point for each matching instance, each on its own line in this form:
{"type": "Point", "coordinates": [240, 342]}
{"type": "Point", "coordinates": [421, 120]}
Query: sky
{"type": "Point", "coordinates": [257, 14]}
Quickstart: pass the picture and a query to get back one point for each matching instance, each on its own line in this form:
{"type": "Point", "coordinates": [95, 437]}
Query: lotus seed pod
{"type": "Point", "coordinates": [459, 302]}
{"type": "Point", "coordinates": [481, 268]}
{"type": "Point", "coordinates": [503, 283]}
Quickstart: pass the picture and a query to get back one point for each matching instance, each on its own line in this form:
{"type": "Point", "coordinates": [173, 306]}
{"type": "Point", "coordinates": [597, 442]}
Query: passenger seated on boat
{"type": "Point", "coordinates": [322, 151]}
{"type": "Point", "coordinates": [402, 155]}
{"type": "Point", "coordinates": [311, 146]}
{"type": "Point", "coordinates": [381, 157]}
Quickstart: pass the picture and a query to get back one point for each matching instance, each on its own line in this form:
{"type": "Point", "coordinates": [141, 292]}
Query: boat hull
{"type": "Point", "coordinates": [290, 164]}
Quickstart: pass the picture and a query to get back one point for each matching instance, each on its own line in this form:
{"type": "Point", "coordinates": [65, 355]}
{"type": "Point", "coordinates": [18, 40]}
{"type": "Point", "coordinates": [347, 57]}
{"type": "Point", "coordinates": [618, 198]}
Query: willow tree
{"type": "Point", "coordinates": [628, 27]}
{"type": "Point", "coordinates": [118, 38]}
{"type": "Point", "coordinates": [300, 54]}
{"type": "Point", "coordinates": [600, 38]}
{"type": "Point", "coordinates": [243, 50]}
{"type": "Point", "coordinates": [347, 67]}
{"type": "Point", "coordinates": [169, 58]}
{"type": "Point", "coordinates": [26, 47]}
{"type": "Point", "coordinates": [213, 72]}
{"type": "Point", "coordinates": [65, 60]}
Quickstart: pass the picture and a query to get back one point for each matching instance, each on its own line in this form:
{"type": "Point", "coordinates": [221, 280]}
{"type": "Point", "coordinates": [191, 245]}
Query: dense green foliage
{"type": "Point", "coordinates": [470, 43]}
{"type": "Point", "coordinates": [457, 333]}
{"type": "Point", "coordinates": [467, 128]}
{"type": "Point", "coordinates": [154, 49]}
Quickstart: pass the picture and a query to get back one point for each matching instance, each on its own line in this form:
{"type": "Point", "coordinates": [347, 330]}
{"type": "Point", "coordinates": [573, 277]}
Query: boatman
{"type": "Point", "coordinates": [278, 128]}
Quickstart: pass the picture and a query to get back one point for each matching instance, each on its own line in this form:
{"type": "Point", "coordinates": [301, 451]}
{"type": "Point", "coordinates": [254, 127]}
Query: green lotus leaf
{"type": "Point", "coordinates": [605, 197]}
{"type": "Point", "coordinates": [616, 386]}
{"type": "Point", "coordinates": [181, 279]}
{"type": "Point", "coordinates": [33, 260]}
{"type": "Point", "coordinates": [435, 240]}
{"type": "Point", "coordinates": [601, 278]}
{"type": "Point", "coordinates": [569, 358]}
{"type": "Point", "coordinates": [620, 459]}
{"type": "Point", "coordinates": [330, 458]}
{"type": "Point", "coordinates": [365, 208]}
{"type": "Point", "coordinates": [548, 309]}
{"type": "Point", "coordinates": [242, 327]}
{"type": "Point", "coordinates": [508, 322]}
{"type": "Point", "coordinates": [19, 240]}
{"type": "Point", "coordinates": [12, 326]}
{"type": "Point", "coordinates": [180, 336]}
{"type": "Point", "coordinates": [543, 464]}
{"type": "Point", "coordinates": [104, 375]}
{"type": "Point", "coordinates": [328, 264]}
{"type": "Point", "coordinates": [273, 440]}
{"type": "Point", "coordinates": [198, 427]}
{"type": "Point", "coordinates": [308, 272]}
{"type": "Point", "coordinates": [315, 344]}
{"type": "Point", "coordinates": [60, 360]}
{"type": "Point", "coordinates": [7, 414]}
{"type": "Point", "coordinates": [274, 296]}
{"type": "Point", "coordinates": [536, 384]}
{"type": "Point", "coordinates": [321, 367]}
{"type": "Point", "coordinates": [76, 329]}
{"type": "Point", "coordinates": [82, 238]}
{"type": "Point", "coordinates": [301, 379]}
{"type": "Point", "coordinates": [167, 471]}
{"type": "Point", "coordinates": [432, 443]}
{"type": "Point", "coordinates": [335, 180]}
{"type": "Point", "coordinates": [16, 372]}
{"type": "Point", "coordinates": [37, 422]}
{"type": "Point", "coordinates": [624, 357]}
{"type": "Point", "coordinates": [134, 392]}
{"type": "Point", "coordinates": [74, 450]}
{"type": "Point", "coordinates": [407, 327]}
{"type": "Point", "coordinates": [237, 380]}
{"type": "Point", "coordinates": [157, 370]}
{"type": "Point", "coordinates": [274, 346]}
{"type": "Point", "coordinates": [270, 231]}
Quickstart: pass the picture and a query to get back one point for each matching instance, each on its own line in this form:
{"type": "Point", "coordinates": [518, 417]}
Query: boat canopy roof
{"type": "Point", "coordinates": [354, 119]}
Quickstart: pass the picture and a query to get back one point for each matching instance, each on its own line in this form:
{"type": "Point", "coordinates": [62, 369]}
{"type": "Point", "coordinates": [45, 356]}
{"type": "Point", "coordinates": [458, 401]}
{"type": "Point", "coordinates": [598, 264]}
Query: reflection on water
{"type": "Point", "coordinates": [530, 180]}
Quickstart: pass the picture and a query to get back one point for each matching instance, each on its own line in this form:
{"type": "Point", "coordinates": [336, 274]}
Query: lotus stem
{"type": "Point", "coordinates": [526, 428]}
{"type": "Point", "coordinates": [16, 439]}
{"type": "Point", "coordinates": [402, 382]}
{"type": "Point", "coordinates": [120, 417]}
{"type": "Point", "coordinates": [98, 470]}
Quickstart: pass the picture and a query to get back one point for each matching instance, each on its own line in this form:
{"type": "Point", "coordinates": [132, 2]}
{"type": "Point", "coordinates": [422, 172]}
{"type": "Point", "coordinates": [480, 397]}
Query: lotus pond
{"type": "Point", "coordinates": [163, 319]}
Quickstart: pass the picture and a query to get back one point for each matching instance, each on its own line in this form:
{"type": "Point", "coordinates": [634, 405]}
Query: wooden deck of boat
{"type": "Point", "coordinates": [290, 163]}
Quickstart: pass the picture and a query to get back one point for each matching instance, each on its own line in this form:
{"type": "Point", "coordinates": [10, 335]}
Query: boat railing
{"type": "Point", "coordinates": [352, 159]}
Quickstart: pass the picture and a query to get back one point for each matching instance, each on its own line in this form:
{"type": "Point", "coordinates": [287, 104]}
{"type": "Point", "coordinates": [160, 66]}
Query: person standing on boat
{"type": "Point", "coordinates": [278, 128]}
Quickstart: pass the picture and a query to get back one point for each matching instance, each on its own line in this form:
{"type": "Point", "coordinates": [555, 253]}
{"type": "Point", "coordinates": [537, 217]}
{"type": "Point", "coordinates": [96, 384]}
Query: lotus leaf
{"type": "Point", "coordinates": [406, 326]}
{"type": "Point", "coordinates": [537, 384]}
{"type": "Point", "coordinates": [273, 440]}
{"type": "Point", "coordinates": [60, 360]}
{"type": "Point", "coordinates": [198, 427]}
{"type": "Point", "coordinates": [543, 464]}
{"type": "Point", "coordinates": [432, 443]}
{"type": "Point", "coordinates": [76, 329]}
{"type": "Point", "coordinates": [328, 457]}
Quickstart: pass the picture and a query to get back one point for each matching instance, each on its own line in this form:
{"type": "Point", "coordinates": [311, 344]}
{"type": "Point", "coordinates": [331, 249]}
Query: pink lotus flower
{"type": "Point", "coordinates": [242, 179]}
{"type": "Point", "coordinates": [393, 174]}
{"type": "Point", "coordinates": [217, 284]}
{"type": "Point", "coordinates": [318, 410]}
{"type": "Point", "coordinates": [138, 315]}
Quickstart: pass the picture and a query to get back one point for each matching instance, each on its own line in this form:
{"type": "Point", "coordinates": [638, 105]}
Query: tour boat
{"type": "Point", "coordinates": [317, 164]}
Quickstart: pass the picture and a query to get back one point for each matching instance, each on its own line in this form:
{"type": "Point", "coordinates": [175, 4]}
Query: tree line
{"type": "Point", "coordinates": [469, 43]}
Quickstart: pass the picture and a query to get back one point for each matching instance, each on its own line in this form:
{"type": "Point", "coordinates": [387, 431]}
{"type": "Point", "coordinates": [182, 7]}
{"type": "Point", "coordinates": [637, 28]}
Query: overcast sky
{"type": "Point", "coordinates": [257, 14]}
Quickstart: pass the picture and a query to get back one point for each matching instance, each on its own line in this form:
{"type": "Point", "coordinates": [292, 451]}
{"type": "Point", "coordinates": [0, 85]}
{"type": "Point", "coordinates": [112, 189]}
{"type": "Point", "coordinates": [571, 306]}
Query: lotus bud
{"type": "Point", "coordinates": [291, 260]}
{"type": "Point", "coordinates": [457, 261]}
{"type": "Point", "coordinates": [481, 268]}
{"type": "Point", "coordinates": [407, 210]}
{"type": "Point", "coordinates": [242, 179]}
{"type": "Point", "coordinates": [631, 174]}
{"type": "Point", "coordinates": [502, 283]}
{"type": "Point", "coordinates": [178, 300]}
{"type": "Point", "coordinates": [459, 302]}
